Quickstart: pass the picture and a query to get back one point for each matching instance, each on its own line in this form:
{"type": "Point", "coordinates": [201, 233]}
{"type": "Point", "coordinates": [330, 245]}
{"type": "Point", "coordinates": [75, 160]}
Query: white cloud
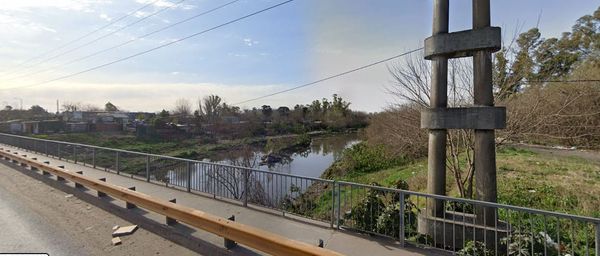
{"type": "Point", "coordinates": [140, 14]}
{"type": "Point", "coordinates": [250, 42]}
{"type": "Point", "coordinates": [28, 5]}
{"type": "Point", "coordinates": [105, 17]}
{"type": "Point", "coordinates": [12, 26]}
{"type": "Point", "coordinates": [164, 3]}
{"type": "Point", "coordinates": [136, 97]}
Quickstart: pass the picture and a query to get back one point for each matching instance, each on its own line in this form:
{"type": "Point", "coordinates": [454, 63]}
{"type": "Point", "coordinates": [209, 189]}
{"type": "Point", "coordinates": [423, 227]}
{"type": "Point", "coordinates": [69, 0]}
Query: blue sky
{"type": "Point", "coordinates": [296, 43]}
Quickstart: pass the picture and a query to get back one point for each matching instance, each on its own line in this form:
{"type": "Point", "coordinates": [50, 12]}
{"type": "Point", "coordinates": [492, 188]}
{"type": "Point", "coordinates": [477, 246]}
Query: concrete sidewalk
{"type": "Point", "coordinates": [300, 229]}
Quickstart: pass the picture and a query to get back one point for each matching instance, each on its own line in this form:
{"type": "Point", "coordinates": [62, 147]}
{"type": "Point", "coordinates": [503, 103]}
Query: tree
{"type": "Point", "coordinates": [110, 107]}
{"type": "Point", "coordinates": [8, 108]}
{"type": "Point", "coordinates": [183, 107]}
{"type": "Point", "coordinates": [37, 110]}
{"type": "Point", "coordinates": [267, 111]}
{"type": "Point", "coordinates": [199, 112]}
{"type": "Point", "coordinates": [283, 111]}
{"type": "Point", "coordinates": [211, 106]}
{"type": "Point", "coordinates": [411, 87]}
{"type": "Point", "coordinates": [71, 106]}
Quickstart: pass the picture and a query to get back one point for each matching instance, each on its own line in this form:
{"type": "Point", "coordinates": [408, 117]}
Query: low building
{"type": "Point", "coordinates": [30, 127]}
{"type": "Point", "coordinates": [78, 127]}
{"type": "Point", "coordinates": [51, 126]}
{"type": "Point", "coordinates": [106, 127]}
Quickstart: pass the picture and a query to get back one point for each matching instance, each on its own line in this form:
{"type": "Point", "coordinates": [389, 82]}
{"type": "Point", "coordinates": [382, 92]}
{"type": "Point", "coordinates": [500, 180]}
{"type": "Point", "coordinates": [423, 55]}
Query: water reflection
{"type": "Point", "coordinates": [310, 162]}
{"type": "Point", "coordinates": [271, 188]}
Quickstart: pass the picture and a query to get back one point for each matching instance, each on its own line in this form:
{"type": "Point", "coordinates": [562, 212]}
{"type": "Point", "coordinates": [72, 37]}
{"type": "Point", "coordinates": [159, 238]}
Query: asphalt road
{"type": "Point", "coordinates": [35, 218]}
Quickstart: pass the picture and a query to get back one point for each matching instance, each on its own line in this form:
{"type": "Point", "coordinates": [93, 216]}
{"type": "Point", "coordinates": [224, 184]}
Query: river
{"type": "Point", "coordinates": [309, 162]}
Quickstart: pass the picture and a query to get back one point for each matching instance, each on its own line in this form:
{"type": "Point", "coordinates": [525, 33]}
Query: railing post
{"type": "Point", "coordinates": [46, 147]}
{"type": "Point", "coordinates": [147, 168]}
{"type": "Point", "coordinates": [58, 150]}
{"type": "Point", "coordinates": [246, 178]}
{"type": "Point", "coordinates": [75, 154]}
{"type": "Point", "coordinates": [339, 205]}
{"type": "Point", "coordinates": [402, 209]}
{"type": "Point", "coordinates": [189, 176]}
{"type": "Point", "coordinates": [333, 203]}
{"type": "Point", "coordinates": [117, 162]}
{"type": "Point", "coordinates": [94, 157]}
{"type": "Point", "coordinates": [598, 239]}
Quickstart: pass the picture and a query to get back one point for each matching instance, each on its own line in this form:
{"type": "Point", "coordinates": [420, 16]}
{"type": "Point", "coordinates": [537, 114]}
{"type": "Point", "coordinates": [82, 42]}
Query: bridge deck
{"type": "Point", "coordinates": [289, 226]}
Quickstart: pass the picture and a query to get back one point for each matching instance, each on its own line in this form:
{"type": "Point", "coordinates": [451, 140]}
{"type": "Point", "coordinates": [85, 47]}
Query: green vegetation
{"type": "Point", "coordinates": [525, 178]}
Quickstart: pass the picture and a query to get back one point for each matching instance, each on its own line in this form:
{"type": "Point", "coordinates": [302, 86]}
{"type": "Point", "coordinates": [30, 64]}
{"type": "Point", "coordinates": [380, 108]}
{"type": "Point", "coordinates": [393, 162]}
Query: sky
{"type": "Point", "coordinates": [293, 44]}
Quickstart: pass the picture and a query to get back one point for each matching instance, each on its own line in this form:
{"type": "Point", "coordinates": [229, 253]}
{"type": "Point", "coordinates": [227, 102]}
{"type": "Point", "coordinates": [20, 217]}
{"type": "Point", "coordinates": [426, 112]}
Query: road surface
{"type": "Point", "coordinates": [35, 218]}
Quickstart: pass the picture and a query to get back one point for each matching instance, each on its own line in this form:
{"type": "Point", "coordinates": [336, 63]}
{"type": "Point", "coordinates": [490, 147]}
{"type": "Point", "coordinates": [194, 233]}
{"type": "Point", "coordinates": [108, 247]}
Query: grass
{"type": "Point", "coordinates": [525, 178]}
{"type": "Point", "coordinates": [188, 148]}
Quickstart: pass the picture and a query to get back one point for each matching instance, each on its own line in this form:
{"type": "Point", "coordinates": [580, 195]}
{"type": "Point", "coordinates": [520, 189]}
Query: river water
{"type": "Point", "coordinates": [309, 162]}
{"type": "Point", "coordinates": [272, 187]}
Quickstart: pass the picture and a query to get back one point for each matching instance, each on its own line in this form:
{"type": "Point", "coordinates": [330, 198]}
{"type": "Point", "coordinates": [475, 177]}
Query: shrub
{"type": "Point", "coordinates": [366, 158]}
{"type": "Point", "coordinates": [475, 249]}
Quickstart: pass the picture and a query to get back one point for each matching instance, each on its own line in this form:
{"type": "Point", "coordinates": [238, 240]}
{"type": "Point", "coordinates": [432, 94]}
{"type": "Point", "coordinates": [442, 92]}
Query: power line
{"type": "Point", "coordinates": [330, 77]}
{"type": "Point", "coordinates": [102, 37]}
{"type": "Point", "coordinates": [81, 37]}
{"type": "Point", "coordinates": [565, 81]}
{"type": "Point", "coordinates": [154, 48]}
{"type": "Point", "coordinates": [129, 41]}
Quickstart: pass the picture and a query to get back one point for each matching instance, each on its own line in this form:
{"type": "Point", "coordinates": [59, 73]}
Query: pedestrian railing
{"type": "Point", "coordinates": [466, 227]}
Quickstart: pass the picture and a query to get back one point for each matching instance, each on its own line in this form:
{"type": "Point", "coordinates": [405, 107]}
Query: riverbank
{"type": "Point", "coordinates": [541, 179]}
{"type": "Point", "coordinates": [192, 148]}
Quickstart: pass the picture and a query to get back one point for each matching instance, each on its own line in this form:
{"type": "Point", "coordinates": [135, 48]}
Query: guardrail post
{"type": "Point", "coordinates": [94, 157]}
{"type": "Point", "coordinates": [129, 205]}
{"type": "Point", "coordinates": [117, 163]}
{"type": "Point", "coordinates": [229, 244]}
{"type": "Point", "coordinates": [46, 147]}
{"type": "Point", "coordinates": [58, 150]}
{"type": "Point", "coordinates": [100, 193]}
{"type": "Point", "coordinates": [246, 178]}
{"type": "Point", "coordinates": [402, 209]}
{"type": "Point", "coordinates": [75, 154]}
{"type": "Point", "coordinates": [189, 176]}
{"type": "Point", "coordinates": [171, 221]}
{"type": "Point", "coordinates": [333, 203]}
{"type": "Point", "coordinates": [77, 185]}
{"type": "Point", "coordinates": [58, 178]}
{"type": "Point", "coordinates": [147, 168]}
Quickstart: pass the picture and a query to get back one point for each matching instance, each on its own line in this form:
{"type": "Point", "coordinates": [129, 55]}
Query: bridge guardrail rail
{"type": "Point", "coordinates": [389, 212]}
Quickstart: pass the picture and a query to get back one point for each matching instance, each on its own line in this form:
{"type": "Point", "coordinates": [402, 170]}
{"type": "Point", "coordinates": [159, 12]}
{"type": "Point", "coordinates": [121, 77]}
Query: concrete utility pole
{"type": "Point", "coordinates": [483, 117]}
{"type": "Point", "coordinates": [436, 156]}
{"type": "Point", "coordinates": [485, 144]}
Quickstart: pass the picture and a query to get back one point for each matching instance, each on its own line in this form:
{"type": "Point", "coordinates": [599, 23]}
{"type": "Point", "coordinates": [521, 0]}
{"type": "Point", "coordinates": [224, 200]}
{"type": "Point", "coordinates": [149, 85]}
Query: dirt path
{"type": "Point", "coordinates": [590, 155]}
{"type": "Point", "coordinates": [37, 218]}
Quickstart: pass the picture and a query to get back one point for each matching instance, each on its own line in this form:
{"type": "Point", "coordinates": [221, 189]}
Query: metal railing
{"type": "Point", "coordinates": [258, 239]}
{"type": "Point", "coordinates": [465, 227]}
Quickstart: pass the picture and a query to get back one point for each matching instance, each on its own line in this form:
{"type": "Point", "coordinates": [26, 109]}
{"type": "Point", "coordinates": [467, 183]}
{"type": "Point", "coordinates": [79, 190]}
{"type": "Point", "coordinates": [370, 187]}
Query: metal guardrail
{"type": "Point", "coordinates": [244, 234]}
{"type": "Point", "coordinates": [394, 213]}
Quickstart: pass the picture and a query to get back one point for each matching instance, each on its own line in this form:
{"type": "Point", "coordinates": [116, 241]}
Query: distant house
{"type": "Point", "coordinates": [51, 126]}
{"type": "Point", "coordinates": [30, 127]}
{"type": "Point", "coordinates": [12, 126]}
{"type": "Point", "coordinates": [77, 127]}
{"type": "Point", "coordinates": [97, 121]}
{"type": "Point", "coordinates": [140, 115]}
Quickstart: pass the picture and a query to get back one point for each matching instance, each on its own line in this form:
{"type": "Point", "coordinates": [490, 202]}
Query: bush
{"type": "Point", "coordinates": [524, 243]}
{"type": "Point", "coordinates": [366, 158]}
{"type": "Point", "coordinates": [475, 249]}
